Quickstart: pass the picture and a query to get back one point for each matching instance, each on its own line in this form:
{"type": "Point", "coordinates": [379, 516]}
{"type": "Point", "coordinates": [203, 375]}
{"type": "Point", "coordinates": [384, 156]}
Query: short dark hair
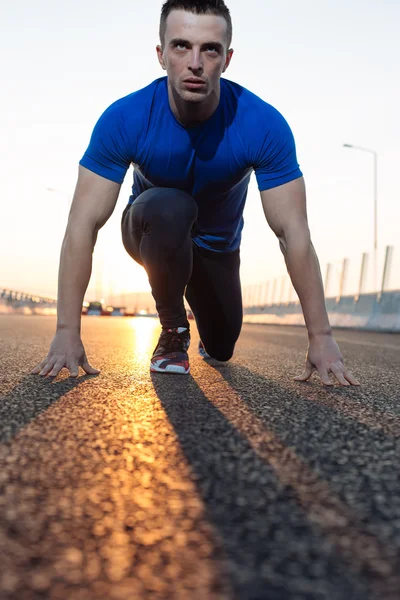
{"type": "Point", "coordinates": [198, 7]}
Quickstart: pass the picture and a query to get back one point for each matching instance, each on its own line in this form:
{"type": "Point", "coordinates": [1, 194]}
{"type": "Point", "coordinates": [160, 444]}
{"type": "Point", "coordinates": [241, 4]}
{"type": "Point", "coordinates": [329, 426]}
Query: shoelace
{"type": "Point", "coordinates": [171, 341]}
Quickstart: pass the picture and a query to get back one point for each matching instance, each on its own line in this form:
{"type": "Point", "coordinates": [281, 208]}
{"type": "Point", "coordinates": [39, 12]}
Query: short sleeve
{"type": "Point", "coordinates": [275, 159]}
{"type": "Point", "coordinates": [109, 153]}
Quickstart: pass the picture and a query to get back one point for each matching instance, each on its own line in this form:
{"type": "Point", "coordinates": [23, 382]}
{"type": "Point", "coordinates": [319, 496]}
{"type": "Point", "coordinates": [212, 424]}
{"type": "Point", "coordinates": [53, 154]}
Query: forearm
{"type": "Point", "coordinates": [74, 275]}
{"type": "Point", "coordinates": [303, 267]}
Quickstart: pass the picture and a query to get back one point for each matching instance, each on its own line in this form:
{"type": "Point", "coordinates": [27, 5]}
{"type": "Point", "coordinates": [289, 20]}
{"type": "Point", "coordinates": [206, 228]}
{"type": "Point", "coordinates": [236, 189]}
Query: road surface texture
{"type": "Point", "coordinates": [232, 483]}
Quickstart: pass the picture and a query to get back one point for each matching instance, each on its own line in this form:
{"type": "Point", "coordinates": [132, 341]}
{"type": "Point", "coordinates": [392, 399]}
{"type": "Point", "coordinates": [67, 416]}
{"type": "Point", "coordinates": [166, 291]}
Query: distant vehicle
{"type": "Point", "coordinates": [118, 311]}
{"type": "Point", "coordinates": [190, 315]}
{"type": "Point", "coordinates": [145, 312]}
{"type": "Point", "coordinates": [95, 309]}
{"type": "Point", "coordinates": [99, 309]}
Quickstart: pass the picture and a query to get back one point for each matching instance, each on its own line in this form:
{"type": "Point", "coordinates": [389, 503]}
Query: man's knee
{"type": "Point", "coordinates": [221, 353]}
{"type": "Point", "coordinates": [167, 207]}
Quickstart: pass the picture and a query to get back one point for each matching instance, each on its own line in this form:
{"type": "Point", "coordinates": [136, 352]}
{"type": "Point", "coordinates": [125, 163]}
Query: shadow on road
{"type": "Point", "coordinates": [330, 425]}
{"type": "Point", "coordinates": [264, 532]}
{"type": "Point", "coordinates": [355, 449]}
{"type": "Point", "coordinates": [32, 396]}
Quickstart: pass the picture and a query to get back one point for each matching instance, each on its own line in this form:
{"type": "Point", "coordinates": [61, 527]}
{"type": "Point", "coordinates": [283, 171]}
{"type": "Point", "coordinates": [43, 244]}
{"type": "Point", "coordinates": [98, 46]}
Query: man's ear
{"type": "Point", "coordinates": [160, 57]}
{"type": "Point", "coordinates": [228, 60]}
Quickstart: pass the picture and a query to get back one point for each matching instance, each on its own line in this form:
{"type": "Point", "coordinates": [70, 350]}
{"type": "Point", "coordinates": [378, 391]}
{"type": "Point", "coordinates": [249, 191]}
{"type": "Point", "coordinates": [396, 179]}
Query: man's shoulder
{"type": "Point", "coordinates": [137, 100]}
{"type": "Point", "coordinates": [248, 103]}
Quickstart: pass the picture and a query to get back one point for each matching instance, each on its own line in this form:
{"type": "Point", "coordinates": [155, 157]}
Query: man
{"type": "Point", "coordinates": [194, 139]}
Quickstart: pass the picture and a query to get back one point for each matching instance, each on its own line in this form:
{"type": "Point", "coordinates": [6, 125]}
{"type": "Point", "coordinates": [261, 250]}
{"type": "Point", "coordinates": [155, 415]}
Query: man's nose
{"type": "Point", "coordinates": [195, 60]}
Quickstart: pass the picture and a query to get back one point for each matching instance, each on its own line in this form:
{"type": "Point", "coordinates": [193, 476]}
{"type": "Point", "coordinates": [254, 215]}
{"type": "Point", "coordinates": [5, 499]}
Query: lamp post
{"type": "Point", "coordinates": [375, 167]}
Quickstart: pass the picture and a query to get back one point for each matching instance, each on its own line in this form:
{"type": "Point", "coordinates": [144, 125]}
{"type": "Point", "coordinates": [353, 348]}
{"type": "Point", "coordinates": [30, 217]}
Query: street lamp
{"type": "Point", "coordinates": [375, 163]}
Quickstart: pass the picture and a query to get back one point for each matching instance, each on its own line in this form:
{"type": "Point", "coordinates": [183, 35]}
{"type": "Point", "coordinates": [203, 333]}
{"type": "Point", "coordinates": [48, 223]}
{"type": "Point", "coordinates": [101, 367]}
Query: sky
{"type": "Point", "coordinates": [330, 67]}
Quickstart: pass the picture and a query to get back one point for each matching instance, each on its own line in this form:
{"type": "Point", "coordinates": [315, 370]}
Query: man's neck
{"type": "Point", "coordinates": [190, 114]}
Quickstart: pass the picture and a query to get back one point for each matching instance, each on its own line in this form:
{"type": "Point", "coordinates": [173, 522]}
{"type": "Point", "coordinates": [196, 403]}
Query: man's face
{"type": "Point", "coordinates": [195, 54]}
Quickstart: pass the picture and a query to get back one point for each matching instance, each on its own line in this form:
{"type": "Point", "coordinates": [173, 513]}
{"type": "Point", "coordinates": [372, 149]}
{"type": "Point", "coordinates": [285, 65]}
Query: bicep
{"type": "Point", "coordinates": [94, 199]}
{"type": "Point", "coordinates": [285, 206]}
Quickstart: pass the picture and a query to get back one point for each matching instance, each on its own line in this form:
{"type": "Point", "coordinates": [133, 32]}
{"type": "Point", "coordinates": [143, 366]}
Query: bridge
{"type": "Point", "coordinates": [16, 300]}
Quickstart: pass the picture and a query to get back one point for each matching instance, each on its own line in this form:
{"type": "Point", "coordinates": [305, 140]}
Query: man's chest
{"type": "Point", "coordinates": [193, 161]}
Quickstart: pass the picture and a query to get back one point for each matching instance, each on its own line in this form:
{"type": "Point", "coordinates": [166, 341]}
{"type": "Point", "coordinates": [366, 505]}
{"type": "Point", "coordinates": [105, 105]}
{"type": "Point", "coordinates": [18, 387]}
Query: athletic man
{"type": "Point", "coordinates": [194, 140]}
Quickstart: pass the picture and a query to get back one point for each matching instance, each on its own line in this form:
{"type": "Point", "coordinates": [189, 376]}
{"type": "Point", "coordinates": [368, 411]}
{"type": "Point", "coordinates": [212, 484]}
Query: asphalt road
{"type": "Point", "coordinates": [232, 483]}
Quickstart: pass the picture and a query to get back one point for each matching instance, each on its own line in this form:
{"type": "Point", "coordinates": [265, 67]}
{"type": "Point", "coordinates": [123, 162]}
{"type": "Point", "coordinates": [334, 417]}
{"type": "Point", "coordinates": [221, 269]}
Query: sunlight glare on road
{"type": "Point", "coordinates": [145, 334]}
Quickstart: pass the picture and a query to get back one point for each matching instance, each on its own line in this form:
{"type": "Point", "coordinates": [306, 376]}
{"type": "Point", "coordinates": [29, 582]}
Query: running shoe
{"type": "Point", "coordinates": [170, 354]}
{"type": "Point", "coordinates": [202, 350]}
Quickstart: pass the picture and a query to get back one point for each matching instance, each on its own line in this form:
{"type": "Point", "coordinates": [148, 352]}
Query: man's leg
{"type": "Point", "coordinates": [215, 297]}
{"type": "Point", "coordinates": [156, 232]}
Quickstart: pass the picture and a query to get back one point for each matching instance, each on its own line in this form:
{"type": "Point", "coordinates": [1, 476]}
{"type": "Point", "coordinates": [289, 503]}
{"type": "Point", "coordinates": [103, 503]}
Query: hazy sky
{"type": "Point", "coordinates": [331, 67]}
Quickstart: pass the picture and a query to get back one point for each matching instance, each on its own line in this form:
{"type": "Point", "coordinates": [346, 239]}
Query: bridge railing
{"type": "Point", "coordinates": [354, 276]}
{"type": "Point", "coordinates": [352, 297]}
{"type": "Point", "coordinates": [17, 299]}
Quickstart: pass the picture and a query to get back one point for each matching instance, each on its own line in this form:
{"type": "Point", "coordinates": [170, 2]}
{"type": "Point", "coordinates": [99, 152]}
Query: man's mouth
{"type": "Point", "coordinates": [194, 83]}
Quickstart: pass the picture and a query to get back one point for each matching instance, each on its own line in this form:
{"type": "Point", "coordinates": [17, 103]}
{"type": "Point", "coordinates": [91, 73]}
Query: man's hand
{"type": "Point", "coordinates": [325, 357]}
{"type": "Point", "coordinates": [66, 350]}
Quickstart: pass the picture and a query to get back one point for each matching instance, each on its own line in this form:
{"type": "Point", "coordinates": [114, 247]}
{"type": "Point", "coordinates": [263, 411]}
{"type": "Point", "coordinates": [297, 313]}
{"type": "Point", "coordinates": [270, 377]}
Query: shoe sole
{"type": "Point", "coordinates": [174, 369]}
{"type": "Point", "coordinates": [203, 353]}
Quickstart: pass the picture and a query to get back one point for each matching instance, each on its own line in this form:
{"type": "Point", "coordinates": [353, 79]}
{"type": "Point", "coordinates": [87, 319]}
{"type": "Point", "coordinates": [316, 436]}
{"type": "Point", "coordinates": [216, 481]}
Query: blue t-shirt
{"type": "Point", "coordinates": [212, 161]}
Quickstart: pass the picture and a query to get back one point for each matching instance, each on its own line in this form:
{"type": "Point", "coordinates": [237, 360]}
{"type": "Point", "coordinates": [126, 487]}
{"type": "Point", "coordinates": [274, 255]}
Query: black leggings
{"type": "Point", "coordinates": [157, 233]}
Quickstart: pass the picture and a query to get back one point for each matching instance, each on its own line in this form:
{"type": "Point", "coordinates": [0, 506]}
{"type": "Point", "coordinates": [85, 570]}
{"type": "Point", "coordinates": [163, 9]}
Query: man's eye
{"type": "Point", "coordinates": [180, 46]}
{"type": "Point", "coordinates": [212, 49]}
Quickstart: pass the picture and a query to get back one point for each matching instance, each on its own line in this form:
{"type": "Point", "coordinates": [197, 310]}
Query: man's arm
{"type": "Point", "coordinates": [286, 212]}
{"type": "Point", "coordinates": [93, 203]}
